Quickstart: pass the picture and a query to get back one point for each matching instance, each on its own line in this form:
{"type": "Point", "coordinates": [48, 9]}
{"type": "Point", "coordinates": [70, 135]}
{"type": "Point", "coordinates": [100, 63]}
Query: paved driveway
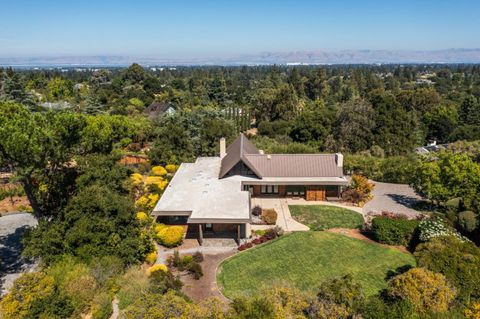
{"type": "Point", "coordinates": [12, 265]}
{"type": "Point", "coordinates": [397, 198]}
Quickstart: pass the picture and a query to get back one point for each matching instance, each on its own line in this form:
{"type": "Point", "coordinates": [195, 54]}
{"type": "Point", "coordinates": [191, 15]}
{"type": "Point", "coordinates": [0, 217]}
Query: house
{"type": "Point", "coordinates": [159, 108]}
{"type": "Point", "coordinates": [212, 195]}
{"type": "Point", "coordinates": [430, 147]}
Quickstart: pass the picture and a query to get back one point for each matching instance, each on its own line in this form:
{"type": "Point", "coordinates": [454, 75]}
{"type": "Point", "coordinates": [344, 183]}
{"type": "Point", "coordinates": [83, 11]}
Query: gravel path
{"type": "Point", "coordinates": [12, 265]}
{"type": "Point", "coordinates": [397, 198]}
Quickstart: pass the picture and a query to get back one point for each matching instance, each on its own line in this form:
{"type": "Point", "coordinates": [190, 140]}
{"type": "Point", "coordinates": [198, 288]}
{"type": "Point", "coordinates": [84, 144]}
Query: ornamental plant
{"type": "Point", "coordinates": [432, 228]}
{"type": "Point", "coordinates": [473, 311]}
{"type": "Point", "coordinates": [157, 268]}
{"type": "Point", "coordinates": [151, 258]}
{"type": "Point", "coordinates": [171, 168]}
{"type": "Point", "coordinates": [393, 231]}
{"type": "Point", "coordinates": [136, 179]}
{"type": "Point", "coordinates": [142, 216]}
{"type": "Point", "coordinates": [159, 171]}
{"type": "Point", "coordinates": [171, 236]}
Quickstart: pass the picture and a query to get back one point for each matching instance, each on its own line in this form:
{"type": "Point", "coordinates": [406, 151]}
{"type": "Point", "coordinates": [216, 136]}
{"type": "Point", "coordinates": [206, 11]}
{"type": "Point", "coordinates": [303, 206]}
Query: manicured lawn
{"type": "Point", "coordinates": [321, 217]}
{"type": "Point", "coordinates": [305, 259]}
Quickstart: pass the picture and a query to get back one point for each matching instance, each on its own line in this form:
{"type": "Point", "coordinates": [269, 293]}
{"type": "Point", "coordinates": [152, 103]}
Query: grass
{"type": "Point", "coordinates": [321, 217]}
{"type": "Point", "coordinates": [306, 259]}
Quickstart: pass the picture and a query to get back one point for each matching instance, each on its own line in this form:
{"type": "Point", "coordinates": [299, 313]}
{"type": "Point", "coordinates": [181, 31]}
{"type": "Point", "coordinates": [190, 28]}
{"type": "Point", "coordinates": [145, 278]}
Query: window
{"type": "Point", "coordinates": [295, 190]}
{"type": "Point", "coordinates": [269, 189]}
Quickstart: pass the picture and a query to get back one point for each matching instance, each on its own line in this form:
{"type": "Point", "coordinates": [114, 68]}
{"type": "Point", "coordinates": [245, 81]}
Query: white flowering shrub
{"type": "Point", "coordinates": [432, 228]}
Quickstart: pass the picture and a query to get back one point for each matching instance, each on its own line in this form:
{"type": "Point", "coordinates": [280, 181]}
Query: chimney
{"type": "Point", "coordinates": [223, 147]}
{"type": "Point", "coordinates": [339, 159]}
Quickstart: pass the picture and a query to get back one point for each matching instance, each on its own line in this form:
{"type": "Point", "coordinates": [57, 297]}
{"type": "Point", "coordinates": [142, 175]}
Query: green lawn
{"type": "Point", "coordinates": [305, 259]}
{"type": "Point", "coordinates": [321, 217]}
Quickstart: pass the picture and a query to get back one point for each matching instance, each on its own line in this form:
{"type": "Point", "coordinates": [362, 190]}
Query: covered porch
{"type": "Point", "coordinates": [307, 192]}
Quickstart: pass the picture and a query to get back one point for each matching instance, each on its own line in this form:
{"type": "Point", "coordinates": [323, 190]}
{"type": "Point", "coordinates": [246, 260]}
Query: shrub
{"type": "Point", "coordinates": [136, 179]}
{"type": "Point", "coordinates": [198, 257]}
{"type": "Point", "coordinates": [159, 171]}
{"type": "Point", "coordinates": [142, 216]}
{"type": "Point", "coordinates": [425, 290]}
{"type": "Point", "coordinates": [467, 221]}
{"type": "Point", "coordinates": [171, 168]}
{"type": "Point", "coordinates": [393, 231]}
{"type": "Point", "coordinates": [432, 228]}
{"type": "Point", "coordinates": [362, 185]}
{"type": "Point", "coordinates": [156, 268]}
{"type": "Point", "coordinates": [147, 202]}
{"type": "Point", "coordinates": [102, 306]}
{"type": "Point", "coordinates": [195, 269]}
{"type": "Point", "coordinates": [457, 260]}
{"type": "Point", "coordinates": [473, 311]}
{"type": "Point", "coordinates": [159, 227]}
{"type": "Point", "coordinates": [269, 216]}
{"type": "Point", "coordinates": [257, 211]}
{"type": "Point", "coordinates": [151, 258]}
{"type": "Point", "coordinates": [171, 236]}
{"type": "Point", "coordinates": [353, 196]}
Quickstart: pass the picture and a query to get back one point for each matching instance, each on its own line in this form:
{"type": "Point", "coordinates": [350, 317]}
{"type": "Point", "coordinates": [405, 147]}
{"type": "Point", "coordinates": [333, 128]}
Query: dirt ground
{"type": "Point", "coordinates": [206, 286]}
{"type": "Point", "coordinates": [355, 233]}
{"type": "Point", "coordinates": [19, 203]}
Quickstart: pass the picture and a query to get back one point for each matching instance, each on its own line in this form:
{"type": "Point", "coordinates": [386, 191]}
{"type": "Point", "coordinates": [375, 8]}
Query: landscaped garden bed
{"type": "Point", "coordinates": [322, 217]}
{"type": "Point", "coordinates": [305, 259]}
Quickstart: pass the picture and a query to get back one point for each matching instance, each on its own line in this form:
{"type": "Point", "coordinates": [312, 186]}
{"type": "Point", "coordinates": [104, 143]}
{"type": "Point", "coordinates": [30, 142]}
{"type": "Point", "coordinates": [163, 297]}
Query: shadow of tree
{"type": "Point", "coordinates": [404, 200]}
{"type": "Point", "coordinates": [11, 259]}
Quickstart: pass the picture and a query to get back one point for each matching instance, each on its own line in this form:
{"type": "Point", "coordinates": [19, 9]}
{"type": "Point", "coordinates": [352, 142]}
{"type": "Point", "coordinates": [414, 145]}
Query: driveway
{"type": "Point", "coordinates": [12, 264]}
{"type": "Point", "coordinates": [397, 198]}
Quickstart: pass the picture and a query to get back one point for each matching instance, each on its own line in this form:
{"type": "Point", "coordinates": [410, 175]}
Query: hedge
{"type": "Point", "coordinates": [394, 231]}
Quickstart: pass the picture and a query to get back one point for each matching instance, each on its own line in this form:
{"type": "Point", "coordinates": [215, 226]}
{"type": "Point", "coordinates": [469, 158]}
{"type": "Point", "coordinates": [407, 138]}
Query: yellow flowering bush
{"type": "Point", "coordinates": [147, 202]}
{"type": "Point", "coordinates": [155, 268]}
{"type": "Point", "coordinates": [171, 168]}
{"type": "Point", "coordinates": [159, 187]}
{"type": "Point", "coordinates": [153, 180]}
{"type": "Point", "coordinates": [159, 227]}
{"type": "Point", "coordinates": [171, 236]}
{"type": "Point", "coordinates": [136, 179]}
{"type": "Point", "coordinates": [473, 311]}
{"type": "Point", "coordinates": [151, 258]}
{"type": "Point", "coordinates": [159, 171]}
{"type": "Point", "coordinates": [142, 216]}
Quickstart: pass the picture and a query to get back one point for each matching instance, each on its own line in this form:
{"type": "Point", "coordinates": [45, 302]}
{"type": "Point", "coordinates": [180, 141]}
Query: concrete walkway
{"type": "Point", "coordinates": [163, 254]}
{"type": "Point", "coordinates": [284, 219]}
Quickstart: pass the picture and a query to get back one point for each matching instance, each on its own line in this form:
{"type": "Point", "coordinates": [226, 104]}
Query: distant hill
{"type": "Point", "coordinates": [294, 57]}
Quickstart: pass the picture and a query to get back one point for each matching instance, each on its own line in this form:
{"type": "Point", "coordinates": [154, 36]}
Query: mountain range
{"type": "Point", "coordinates": [264, 58]}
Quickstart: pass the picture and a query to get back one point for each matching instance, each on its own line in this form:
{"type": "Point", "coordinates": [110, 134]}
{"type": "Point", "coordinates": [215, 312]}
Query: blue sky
{"type": "Point", "coordinates": [202, 28]}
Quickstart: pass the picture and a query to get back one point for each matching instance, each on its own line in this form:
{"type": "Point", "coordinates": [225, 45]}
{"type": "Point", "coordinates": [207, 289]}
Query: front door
{"type": "Point", "coordinates": [316, 193]}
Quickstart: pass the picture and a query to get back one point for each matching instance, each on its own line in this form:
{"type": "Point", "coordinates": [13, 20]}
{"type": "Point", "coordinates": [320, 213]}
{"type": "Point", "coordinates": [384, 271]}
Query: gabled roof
{"type": "Point", "coordinates": [295, 165]}
{"type": "Point", "coordinates": [236, 152]}
{"type": "Point", "coordinates": [279, 165]}
{"type": "Point", "coordinates": [157, 108]}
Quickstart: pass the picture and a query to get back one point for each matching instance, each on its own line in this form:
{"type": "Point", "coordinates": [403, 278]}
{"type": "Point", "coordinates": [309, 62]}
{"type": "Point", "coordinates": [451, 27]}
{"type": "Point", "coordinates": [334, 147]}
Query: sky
{"type": "Point", "coordinates": [202, 28]}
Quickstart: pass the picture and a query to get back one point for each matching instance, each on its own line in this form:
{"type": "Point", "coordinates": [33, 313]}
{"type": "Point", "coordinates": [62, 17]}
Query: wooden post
{"type": "Point", "coordinates": [200, 234]}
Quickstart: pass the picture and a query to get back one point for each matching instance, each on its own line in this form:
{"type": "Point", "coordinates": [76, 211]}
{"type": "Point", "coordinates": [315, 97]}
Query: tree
{"type": "Point", "coordinates": [58, 89]}
{"type": "Point", "coordinates": [457, 260]}
{"type": "Point", "coordinates": [469, 112]}
{"type": "Point", "coordinates": [353, 127]}
{"type": "Point", "coordinates": [447, 176]}
{"type": "Point", "coordinates": [425, 290]}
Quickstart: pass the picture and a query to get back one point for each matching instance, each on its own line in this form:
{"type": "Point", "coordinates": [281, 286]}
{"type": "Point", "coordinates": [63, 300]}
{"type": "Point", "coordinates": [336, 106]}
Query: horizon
{"type": "Point", "coordinates": [213, 29]}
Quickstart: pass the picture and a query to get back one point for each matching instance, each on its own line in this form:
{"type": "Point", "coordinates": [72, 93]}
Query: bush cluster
{"type": "Point", "coordinates": [360, 190]}
{"type": "Point", "coordinates": [190, 263]}
{"type": "Point", "coordinates": [269, 234]}
{"type": "Point", "coordinates": [394, 230]}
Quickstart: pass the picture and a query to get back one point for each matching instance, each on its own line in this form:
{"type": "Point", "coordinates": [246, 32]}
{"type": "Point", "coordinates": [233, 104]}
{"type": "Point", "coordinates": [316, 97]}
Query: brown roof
{"type": "Point", "coordinates": [279, 165]}
{"type": "Point", "coordinates": [236, 153]}
{"type": "Point", "coordinates": [157, 108]}
{"type": "Point", "coordinates": [296, 165]}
